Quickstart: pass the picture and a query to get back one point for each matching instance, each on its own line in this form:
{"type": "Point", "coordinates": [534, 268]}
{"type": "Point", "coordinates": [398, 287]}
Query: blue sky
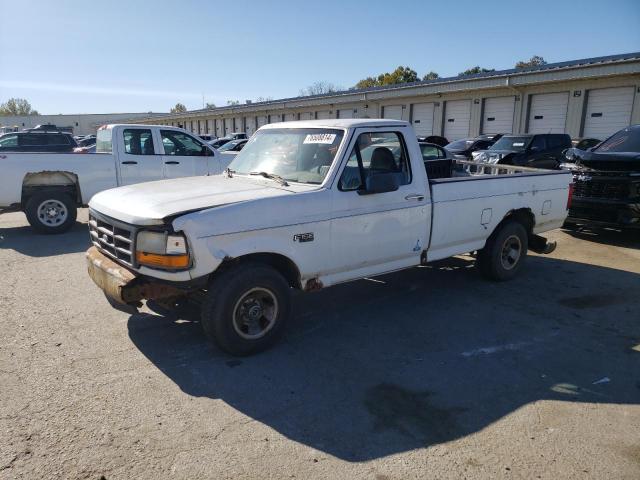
{"type": "Point", "coordinates": [126, 56]}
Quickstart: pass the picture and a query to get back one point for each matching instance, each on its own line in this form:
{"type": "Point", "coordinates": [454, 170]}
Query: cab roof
{"type": "Point", "coordinates": [339, 123]}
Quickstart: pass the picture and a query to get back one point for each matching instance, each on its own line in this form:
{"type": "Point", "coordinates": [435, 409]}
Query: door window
{"type": "Point", "coordinates": [9, 141]}
{"type": "Point", "coordinates": [178, 143]}
{"type": "Point", "coordinates": [376, 153]}
{"type": "Point", "coordinates": [538, 144]}
{"type": "Point", "coordinates": [33, 140]}
{"type": "Point", "coordinates": [56, 139]}
{"type": "Point", "coordinates": [138, 141]}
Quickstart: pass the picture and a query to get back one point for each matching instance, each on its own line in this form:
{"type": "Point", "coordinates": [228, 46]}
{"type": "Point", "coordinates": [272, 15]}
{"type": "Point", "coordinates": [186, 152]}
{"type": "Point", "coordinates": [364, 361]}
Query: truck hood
{"type": "Point", "coordinates": [152, 202]}
{"type": "Point", "coordinates": [609, 161]}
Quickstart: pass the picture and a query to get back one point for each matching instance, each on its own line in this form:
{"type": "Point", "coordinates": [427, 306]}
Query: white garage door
{"type": "Point", "coordinates": [608, 110]}
{"type": "Point", "coordinates": [457, 118]}
{"type": "Point", "coordinates": [498, 115]}
{"type": "Point", "coordinates": [238, 126]}
{"type": "Point", "coordinates": [289, 117]}
{"type": "Point", "coordinates": [219, 131]}
{"type": "Point", "coordinates": [307, 116]}
{"type": "Point", "coordinates": [548, 112]}
{"type": "Point", "coordinates": [275, 118]}
{"type": "Point", "coordinates": [346, 113]}
{"type": "Point", "coordinates": [228, 126]}
{"type": "Point", "coordinates": [393, 111]}
{"type": "Point", "coordinates": [262, 120]}
{"type": "Point", "coordinates": [250, 124]}
{"type": "Point", "coordinates": [423, 119]}
{"type": "Point", "coordinates": [323, 115]}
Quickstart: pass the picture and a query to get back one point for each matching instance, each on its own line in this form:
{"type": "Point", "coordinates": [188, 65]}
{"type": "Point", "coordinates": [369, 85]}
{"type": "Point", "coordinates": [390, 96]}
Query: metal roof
{"type": "Point", "coordinates": [585, 62]}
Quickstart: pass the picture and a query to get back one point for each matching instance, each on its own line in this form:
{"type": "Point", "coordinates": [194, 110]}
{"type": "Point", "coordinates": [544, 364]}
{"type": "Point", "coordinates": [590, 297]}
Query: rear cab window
{"type": "Point", "coordinates": [103, 140]}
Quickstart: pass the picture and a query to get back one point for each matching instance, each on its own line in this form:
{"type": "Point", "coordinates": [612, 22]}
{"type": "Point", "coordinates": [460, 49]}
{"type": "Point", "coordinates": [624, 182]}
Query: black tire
{"type": "Point", "coordinates": [253, 293]}
{"type": "Point", "coordinates": [63, 212]}
{"type": "Point", "coordinates": [504, 253]}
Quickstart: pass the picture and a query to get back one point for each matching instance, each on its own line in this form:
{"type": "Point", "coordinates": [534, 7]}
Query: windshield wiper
{"type": "Point", "coordinates": [271, 176]}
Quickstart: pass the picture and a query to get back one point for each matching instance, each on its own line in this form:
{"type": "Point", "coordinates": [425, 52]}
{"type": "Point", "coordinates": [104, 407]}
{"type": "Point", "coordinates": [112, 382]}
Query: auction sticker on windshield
{"type": "Point", "coordinates": [327, 138]}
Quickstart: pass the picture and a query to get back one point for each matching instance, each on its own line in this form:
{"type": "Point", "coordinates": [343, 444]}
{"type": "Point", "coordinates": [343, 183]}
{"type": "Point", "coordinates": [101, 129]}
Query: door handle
{"type": "Point", "coordinates": [129, 162]}
{"type": "Point", "coordinates": [416, 196]}
{"type": "Point", "coordinates": [171, 162]}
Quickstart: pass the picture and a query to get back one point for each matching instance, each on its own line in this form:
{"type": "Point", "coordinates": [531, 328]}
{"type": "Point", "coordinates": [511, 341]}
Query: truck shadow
{"type": "Point", "coordinates": [420, 357]}
{"type": "Point", "coordinates": [28, 242]}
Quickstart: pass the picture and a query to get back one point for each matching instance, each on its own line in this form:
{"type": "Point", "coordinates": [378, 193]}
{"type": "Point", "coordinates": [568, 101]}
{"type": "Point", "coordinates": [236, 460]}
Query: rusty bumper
{"type": "Point", "coordinates": [122, 285]}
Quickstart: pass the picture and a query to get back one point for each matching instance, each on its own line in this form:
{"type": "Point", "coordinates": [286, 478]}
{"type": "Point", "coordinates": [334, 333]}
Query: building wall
{"type": "Point", "coordinates": [371, 105]}
{"type": "Point", "coordinates": [82, 124]}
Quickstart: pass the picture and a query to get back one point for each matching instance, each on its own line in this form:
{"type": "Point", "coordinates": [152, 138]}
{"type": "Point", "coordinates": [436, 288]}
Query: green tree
{"type": "Point", "coordinates": [475, 70]}
{"type": "Point", "coordinates": [17, 106]}
{"type": "Point", "coordinates": [233, 102]}
{"type": "Point", "coordinates": [431, 76]}
{"type": "Point", "coordinates": [534, 61]}
{"type": "Point", "coordinates": [210, 105]}
{"type": "Point", "coordinates": [179, 108]}
{"type": "Point", "coordinates": [399, 75]}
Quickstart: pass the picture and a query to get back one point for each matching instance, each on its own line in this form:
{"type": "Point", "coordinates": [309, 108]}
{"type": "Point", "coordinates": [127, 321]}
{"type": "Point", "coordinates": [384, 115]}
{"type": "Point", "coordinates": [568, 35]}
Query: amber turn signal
{"type": "Point", "coordinates": [162, 261]}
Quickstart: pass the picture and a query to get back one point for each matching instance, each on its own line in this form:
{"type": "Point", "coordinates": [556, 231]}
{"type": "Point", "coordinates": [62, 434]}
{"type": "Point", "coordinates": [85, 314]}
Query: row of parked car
{"type": "Point", "coordinates": [606, 174]}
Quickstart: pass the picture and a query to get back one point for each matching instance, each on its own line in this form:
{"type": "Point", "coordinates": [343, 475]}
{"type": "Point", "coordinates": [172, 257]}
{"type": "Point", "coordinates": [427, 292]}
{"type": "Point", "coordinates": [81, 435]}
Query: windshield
{"type": "Point", "coordinates": [228, 146]}
{"type": "Point", "coordinates": [297, 154]}
{"type": "Point", "coordinates": [515, 144]}
{"type": "Point", "coordinates": [627, 140]}
{"type": "Point", "coordinates": [460, 144]}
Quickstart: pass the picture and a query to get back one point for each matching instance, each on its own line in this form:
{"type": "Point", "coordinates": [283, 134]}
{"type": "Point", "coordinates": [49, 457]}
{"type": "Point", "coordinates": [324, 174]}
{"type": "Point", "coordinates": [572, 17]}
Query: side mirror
{"type": "Point", "coordinates": [381, 183]}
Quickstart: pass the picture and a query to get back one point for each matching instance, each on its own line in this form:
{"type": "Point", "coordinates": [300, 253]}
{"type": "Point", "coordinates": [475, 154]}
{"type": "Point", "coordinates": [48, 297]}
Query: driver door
{"type": "Point", "coordinates": [185, 156]}
{"type": "Point", "coordinates": [377, 228]}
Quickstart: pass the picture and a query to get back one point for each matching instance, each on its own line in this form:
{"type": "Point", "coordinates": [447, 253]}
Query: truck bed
{"type": "Point", "coordinates": [467, 206]}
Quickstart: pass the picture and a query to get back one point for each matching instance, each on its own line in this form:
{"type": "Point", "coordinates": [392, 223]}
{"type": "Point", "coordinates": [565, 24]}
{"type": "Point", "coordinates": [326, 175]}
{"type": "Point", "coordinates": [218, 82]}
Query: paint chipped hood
{"type": "Point", "coordinates": [152, 202]}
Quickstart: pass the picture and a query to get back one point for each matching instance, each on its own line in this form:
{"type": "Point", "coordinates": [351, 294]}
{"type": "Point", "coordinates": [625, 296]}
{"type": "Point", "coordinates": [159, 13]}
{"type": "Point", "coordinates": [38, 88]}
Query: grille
{"type": "Point", "coordinates": [112, 238]}
{"type": "Point", "coordinates": [601, 189]}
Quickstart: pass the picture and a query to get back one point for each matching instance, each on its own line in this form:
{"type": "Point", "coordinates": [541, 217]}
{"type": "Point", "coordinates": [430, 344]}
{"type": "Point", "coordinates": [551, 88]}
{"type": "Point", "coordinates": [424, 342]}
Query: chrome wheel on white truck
{"type": "Point", "coordinates": [49, 211]}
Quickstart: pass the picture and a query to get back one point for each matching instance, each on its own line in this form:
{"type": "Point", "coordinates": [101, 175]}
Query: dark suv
{"type": "Point", "coordinates": [606, 181]}
{"type": "Point", "coordinates": [37, 141]}
{"type": "Point", "coordinates": [543, 150]}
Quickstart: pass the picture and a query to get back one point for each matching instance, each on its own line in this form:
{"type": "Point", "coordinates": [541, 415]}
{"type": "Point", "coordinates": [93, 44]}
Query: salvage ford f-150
{"type": "Point", "coordinates": [49, 187]}
{"type": "Point", "coordinates": [306, 205]}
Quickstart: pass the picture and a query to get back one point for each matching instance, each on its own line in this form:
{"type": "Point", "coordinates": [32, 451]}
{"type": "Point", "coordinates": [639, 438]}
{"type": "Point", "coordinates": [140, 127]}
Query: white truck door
{"type": "Point", "coordinates": [137, 157]}
{"type": "Point", "coordinates": [184, 155]}
{"type": "Point", "coordinates": [377, 228]}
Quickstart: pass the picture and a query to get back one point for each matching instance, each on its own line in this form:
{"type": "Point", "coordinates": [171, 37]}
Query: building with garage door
{"type": "Point", "coordinates": [592, 97]}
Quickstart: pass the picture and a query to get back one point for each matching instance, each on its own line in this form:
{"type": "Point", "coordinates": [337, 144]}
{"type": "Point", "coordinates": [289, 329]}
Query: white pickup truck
{"type": "Point", "coordinates": [49, 187]}
{"type": "Point", "coordinates": [306, 205]}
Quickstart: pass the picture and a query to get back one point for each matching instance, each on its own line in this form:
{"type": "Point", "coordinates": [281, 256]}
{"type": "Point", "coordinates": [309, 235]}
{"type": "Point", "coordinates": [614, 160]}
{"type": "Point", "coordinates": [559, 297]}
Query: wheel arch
{"type": "Point", "coordinates": [283, 264]}
{"type": "Point", "coordinates": [59, 181]}
{"type": "Point", "coordinates": [523, 216]}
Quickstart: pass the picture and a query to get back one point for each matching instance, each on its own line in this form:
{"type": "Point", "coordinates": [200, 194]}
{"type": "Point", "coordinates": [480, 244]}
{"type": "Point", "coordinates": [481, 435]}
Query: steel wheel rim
{"type": "Point", "coordinates": [255, 313]}
{"type": "Point", "coordinates": [52, 213]}
{"type": "Point", "coordinates": [511, 252]}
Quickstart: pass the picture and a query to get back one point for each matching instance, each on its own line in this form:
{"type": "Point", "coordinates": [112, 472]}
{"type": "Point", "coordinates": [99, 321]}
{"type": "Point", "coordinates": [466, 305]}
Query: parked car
{"type": "Point", "coordinates": [585, 143]}
{"type": "Point", "coordinates": [49, 187]}
{"type": "Point", "coordinates": [218, 142]}
{"type": "Point", "coordinates": [233, 146]}
{"type": "Point", "coordinates": [87, 141]}
{"type": "Point", "coordinates": [435, 139]}
{"type": "Point", "coordinates": [37, 141]}
{"type": "Point", "coordinates": [606, 181]}
{"type": "Point", "coordinates": [463, 149]}
{"type": "Point", "coordinates": [206, 137]}
{"type": "Point", "coordinates": [306, 207]}
{"type": "Point", "coordinates": [537, 151]}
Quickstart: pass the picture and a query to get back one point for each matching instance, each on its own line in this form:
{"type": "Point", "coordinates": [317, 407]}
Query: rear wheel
{"type": "Point", "coordinates": [51, 211]}
{"type": "Point", "coordinates": [504, 253]}
{"type": "Point", "coordinates": [246, 308]}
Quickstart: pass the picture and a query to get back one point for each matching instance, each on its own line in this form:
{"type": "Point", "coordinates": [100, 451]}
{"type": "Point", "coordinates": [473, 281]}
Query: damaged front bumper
{"type": "Point", "coordinates": [125, 287]}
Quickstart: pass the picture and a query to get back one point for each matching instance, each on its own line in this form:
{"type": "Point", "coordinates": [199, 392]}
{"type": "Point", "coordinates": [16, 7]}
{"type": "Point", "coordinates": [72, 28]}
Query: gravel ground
{"type": "Point", "coordinates": [427, 373]}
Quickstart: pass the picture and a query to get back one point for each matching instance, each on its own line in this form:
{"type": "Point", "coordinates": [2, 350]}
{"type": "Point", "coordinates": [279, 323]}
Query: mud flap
{"type": "Point", "coordinates": [541, 245]}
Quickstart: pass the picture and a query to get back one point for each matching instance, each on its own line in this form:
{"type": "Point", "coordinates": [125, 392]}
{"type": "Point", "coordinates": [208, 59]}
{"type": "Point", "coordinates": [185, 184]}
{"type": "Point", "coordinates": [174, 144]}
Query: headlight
{"type": "Point", "coordinates": [479, 156]}
{"type": "Point", "coordinates": [493, 158]}
{"type": "Point", "coordinates": [161, 250]}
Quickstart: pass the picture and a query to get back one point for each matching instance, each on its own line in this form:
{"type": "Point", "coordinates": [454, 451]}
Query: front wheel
{"type": "Point", "coordinates": [246, 308]}
{"type": "Point", "coordinates": [51, 212]}
{"type": "Point", "coordinates": [504, 253]}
